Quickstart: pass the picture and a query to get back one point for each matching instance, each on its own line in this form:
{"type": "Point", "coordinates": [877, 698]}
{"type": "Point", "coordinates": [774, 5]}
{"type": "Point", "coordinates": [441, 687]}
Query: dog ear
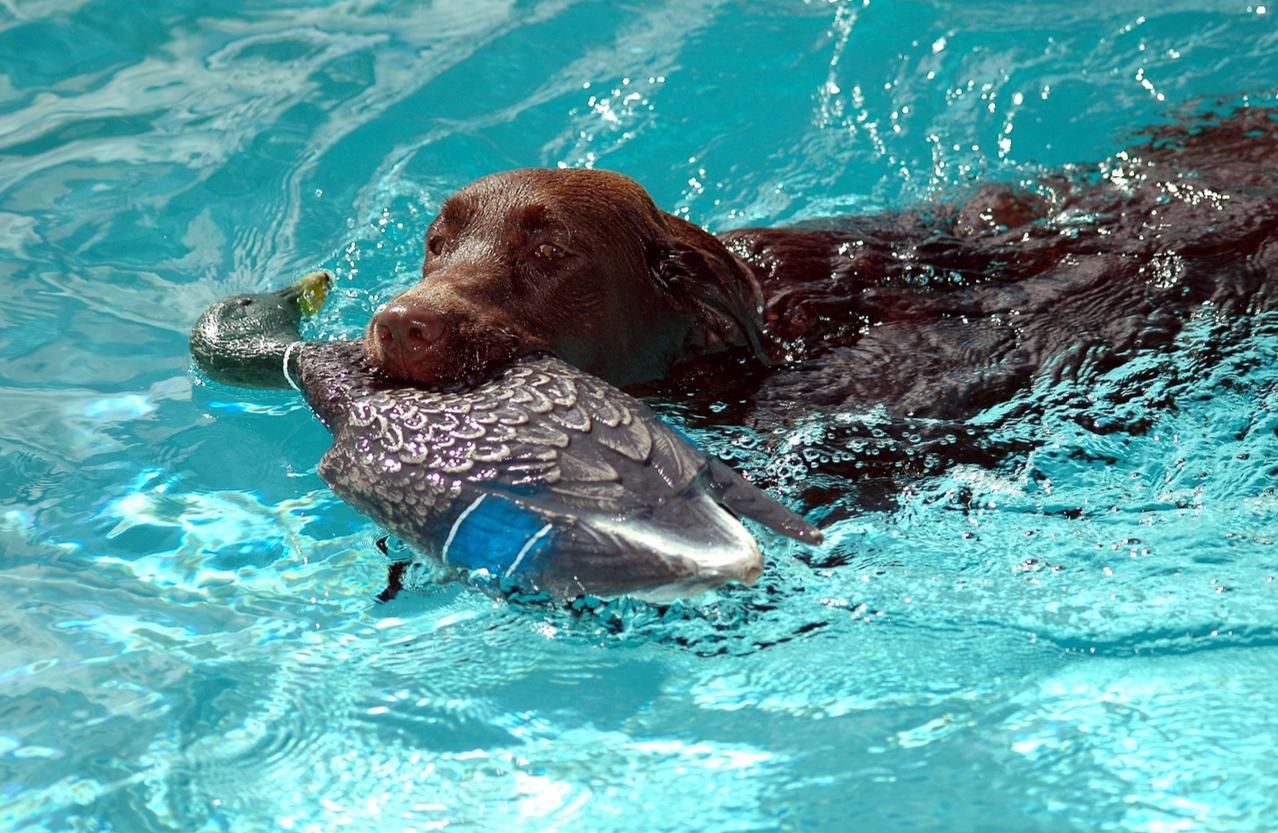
{"type": "Point", "coordinates": [699, 274]}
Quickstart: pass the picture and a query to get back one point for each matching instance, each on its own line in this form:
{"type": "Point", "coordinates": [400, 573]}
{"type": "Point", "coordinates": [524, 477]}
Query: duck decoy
{"type": "Point", "coordinates": [541, 477]}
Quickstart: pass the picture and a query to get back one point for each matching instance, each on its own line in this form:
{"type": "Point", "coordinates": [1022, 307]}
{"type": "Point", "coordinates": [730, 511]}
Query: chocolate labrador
{"type": "Point", "coordinates": [579, 263]}
{"type": "Point", "coordinates": [933, 313]}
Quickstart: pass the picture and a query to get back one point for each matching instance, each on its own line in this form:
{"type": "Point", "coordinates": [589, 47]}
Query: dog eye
{"type": "Point", "coordinates": [548, 251]}
{"type": "Point", "coordinates": [435, 245]}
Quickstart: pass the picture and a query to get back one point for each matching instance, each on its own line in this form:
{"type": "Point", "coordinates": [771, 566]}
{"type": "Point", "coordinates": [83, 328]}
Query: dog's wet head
{"type": "Point", "coordinates": [578, 263]}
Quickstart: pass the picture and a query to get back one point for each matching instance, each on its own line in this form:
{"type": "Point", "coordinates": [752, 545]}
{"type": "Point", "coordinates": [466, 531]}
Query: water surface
{"type": "Point", "coordinates": [1080, 638]}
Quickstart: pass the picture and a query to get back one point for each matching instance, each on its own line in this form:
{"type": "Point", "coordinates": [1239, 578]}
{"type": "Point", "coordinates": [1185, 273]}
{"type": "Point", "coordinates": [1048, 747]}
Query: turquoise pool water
{"type": "Point", "coordinates": [1084, 638]}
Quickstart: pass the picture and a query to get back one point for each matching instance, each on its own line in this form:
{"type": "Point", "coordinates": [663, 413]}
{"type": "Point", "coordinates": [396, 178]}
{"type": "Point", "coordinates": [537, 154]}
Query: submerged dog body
{"type": "Point", "coordinates": [934, 314]}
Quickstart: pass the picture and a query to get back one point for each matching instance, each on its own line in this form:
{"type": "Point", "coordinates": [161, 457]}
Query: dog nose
{"type": "Point", "coordinates": [407, 329]}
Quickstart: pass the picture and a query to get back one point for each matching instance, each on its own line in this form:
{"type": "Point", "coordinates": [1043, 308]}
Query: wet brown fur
{"type": "Point", "coordinates": [934, 314]}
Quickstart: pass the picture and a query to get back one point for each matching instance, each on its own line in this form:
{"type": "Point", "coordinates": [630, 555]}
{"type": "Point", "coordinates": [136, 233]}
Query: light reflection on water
{"type": "Point", "coordinates": [1079, 638]}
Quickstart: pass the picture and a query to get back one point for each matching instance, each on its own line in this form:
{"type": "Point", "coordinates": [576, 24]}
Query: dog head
{"type": "Point", "coordinates": [578, 263]}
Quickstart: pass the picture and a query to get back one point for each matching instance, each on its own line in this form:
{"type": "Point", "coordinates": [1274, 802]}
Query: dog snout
{"type": "Point", "coordinates": [406, 329]}
{"type": "Point", "coordinates": [404, 336]}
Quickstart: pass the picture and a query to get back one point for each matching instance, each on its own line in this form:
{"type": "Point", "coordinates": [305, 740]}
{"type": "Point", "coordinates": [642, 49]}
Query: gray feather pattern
{"type": "Point", "coordinates": [548, 437]}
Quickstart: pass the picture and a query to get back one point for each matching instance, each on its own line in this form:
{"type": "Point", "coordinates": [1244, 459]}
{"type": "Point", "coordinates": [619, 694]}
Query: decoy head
{"type": "Point", "coordinates": [241, 340]}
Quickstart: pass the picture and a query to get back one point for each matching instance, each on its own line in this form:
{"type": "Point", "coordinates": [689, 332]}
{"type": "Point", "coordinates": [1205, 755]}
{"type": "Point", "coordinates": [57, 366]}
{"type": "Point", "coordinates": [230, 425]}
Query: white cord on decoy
{"type": "Point", "coordinates": [288, 352]}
